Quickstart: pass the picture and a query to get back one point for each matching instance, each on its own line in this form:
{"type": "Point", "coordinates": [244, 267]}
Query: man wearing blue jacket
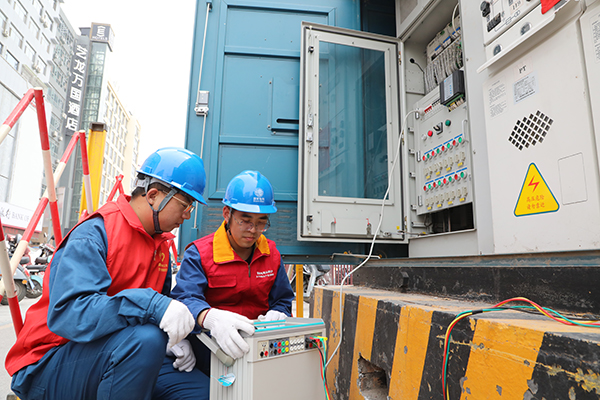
{"type": "Point", "coordinates": [100, 329]}
{"type": "Point", "coordinates": [235, 274]}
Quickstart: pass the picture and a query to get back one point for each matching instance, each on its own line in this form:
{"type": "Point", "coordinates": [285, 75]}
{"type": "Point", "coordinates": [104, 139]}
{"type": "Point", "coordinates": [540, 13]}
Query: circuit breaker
{"type": "Point", "coordinates": [283, 363]}
{"type": "Point", "coordinates": [499, 15]}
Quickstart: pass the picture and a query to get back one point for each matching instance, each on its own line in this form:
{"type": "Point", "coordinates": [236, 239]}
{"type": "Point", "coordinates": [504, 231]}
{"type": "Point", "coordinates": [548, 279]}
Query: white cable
{"type": "Point", "coordinates": [452, 22]}
{"type": "Point", "coordinates": [375, 234]}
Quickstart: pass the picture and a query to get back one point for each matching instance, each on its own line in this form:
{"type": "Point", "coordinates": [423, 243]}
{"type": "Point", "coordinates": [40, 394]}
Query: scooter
{"type": "Point", "coordinates": [31, 283]}
{"type": "Point", "coordinates": [22, 282]}
{"type": "Point", "coordinates": [312, 275]}
{"type": "Point", "coordinates": [38, 269]}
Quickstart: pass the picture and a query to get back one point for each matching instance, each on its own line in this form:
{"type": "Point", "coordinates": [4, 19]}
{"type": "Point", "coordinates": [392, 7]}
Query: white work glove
{"type": "Point", "coordinates": [272, 315]}
{"type": "Point", "coordinates": [186, 360]}
{"type": "Point", "coordinates": [177, 322]}
{"type": "Point", "coordinates": [223, 326]}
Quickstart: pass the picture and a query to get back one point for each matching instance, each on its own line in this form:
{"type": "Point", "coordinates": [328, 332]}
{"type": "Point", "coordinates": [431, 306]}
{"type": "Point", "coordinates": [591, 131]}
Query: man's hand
{"type": "Point", "coordinates": [272, 315]}
{"type": "Point", "coordinates": [224, 327]}
{"type": "Point", "coordinates": [177, 322]}
{"type": "Point", "coordinates": [185, 358]}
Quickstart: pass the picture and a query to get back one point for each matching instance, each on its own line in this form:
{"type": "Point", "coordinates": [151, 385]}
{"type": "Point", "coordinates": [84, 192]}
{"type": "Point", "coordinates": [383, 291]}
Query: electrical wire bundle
{"type": "Point", "coordinates": [443, 65]}
{"type": "Point", "coordinates": [498, 307]}
{"type": "Point", "coordinates": [321, 343]}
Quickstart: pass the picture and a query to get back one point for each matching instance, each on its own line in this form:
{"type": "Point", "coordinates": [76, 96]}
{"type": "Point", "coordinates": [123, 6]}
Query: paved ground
{"type": "Point", "coordinates": [7, 333]}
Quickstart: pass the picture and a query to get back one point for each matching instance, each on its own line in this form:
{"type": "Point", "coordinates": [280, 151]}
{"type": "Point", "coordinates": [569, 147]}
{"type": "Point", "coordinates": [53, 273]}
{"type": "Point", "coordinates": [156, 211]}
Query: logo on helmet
{"type": "Point", "coordinates": [258, 195]}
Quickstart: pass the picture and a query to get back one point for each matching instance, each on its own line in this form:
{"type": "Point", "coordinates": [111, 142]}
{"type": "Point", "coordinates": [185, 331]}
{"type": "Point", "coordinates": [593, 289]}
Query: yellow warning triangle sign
{"type": "Point", "coordinates": [535, 197]}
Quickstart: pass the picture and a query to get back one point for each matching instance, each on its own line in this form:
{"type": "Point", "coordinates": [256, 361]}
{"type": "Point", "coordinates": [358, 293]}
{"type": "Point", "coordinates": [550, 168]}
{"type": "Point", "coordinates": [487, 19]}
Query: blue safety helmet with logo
{"type": "Point", "coordinates": [250, 192]}
{"type": "Point", "coordinates": [176, 167]}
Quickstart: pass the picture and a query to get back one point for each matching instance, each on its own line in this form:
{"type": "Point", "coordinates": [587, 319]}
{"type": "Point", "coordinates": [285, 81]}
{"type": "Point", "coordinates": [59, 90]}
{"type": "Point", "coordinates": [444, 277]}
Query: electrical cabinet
{"type": "Point", "coordinates": [375, 127]}
{"type": "Point", "coordinates": [542, 152]}
{"type": "Point", "coordinates": [494, 150]}
{"type": "Point", "coordinates": [428, 139]}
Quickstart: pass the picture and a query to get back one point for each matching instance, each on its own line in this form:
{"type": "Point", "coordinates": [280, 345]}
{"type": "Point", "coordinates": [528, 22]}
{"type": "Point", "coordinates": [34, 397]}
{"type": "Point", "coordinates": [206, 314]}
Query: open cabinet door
{"type": "Point", "coordinates": [349, 137]}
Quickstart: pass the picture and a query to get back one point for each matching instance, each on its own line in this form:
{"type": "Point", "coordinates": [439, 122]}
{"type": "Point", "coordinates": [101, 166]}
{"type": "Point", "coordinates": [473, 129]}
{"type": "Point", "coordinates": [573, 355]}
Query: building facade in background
{"type": "Point", "coordinates": [122, 144]}
{"type": "Point", "coordinates": [35, 43]}
{"type": "Point", "coordinates": [40, 48]}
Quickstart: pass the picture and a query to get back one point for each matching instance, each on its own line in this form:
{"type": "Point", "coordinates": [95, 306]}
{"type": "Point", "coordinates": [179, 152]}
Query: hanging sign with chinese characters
{"type": "Point", "coordinates": [535, 197]}
{"type": "Point", "coordinates": [76, 88]}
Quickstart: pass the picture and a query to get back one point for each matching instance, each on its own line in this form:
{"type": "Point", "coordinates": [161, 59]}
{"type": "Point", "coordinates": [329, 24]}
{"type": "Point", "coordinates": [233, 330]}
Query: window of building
{"type": "Point", "coordinates": [21, 11]}
{"type": "Point", "coordinates": [48, 21]}
{"type": "Point", "coordinates": [35, 28]}
{"type": "Point", "coordinates": [45, 43]}
{"type": "Point", "coordinates": [42, 66]}
{"type": "Point", "coordinates": [37, 5]}
{"type": "Point", "coordinates": [29, 51]}
{"type": "Point", "coordinates": [12, 60]}
{"type": "Point", "coordinates": [3, 19]}
{"type": "Point", "coordinates": [16, 36]}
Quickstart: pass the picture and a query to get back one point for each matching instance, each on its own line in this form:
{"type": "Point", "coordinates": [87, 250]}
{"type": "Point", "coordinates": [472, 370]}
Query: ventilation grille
{"type": "Point", "coordinates": [531, 130]}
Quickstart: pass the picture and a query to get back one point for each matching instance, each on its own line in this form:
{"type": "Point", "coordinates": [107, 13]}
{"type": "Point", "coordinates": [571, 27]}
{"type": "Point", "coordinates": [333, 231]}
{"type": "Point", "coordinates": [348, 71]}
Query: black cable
{"type": "Point", "coordinates": [412, 60]}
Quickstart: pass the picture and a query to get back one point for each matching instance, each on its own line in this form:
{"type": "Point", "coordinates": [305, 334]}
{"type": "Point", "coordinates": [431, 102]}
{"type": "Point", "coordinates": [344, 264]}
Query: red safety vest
{"type": "Point", "coordinates": [134, 260]}
{"type": "Point", "coordinates": [233, 285]}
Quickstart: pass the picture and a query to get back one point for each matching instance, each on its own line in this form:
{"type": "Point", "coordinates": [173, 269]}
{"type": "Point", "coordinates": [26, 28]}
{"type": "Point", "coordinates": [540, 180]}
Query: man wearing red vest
{"type": "Point", "coordinates": [101, 328]}
{"type": "Point", "coordinates": [233, 275]}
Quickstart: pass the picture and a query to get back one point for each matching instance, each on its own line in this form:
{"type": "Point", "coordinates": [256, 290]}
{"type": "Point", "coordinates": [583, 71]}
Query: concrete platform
{"type": "Point", "coordinates": [392, 345]}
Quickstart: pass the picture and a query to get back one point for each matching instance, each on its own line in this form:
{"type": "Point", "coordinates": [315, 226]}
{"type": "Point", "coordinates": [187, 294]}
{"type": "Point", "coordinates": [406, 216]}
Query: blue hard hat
{"type": "Point", "coordinates": [179, 168]}
{"type": "Point", "coordinates": [251, 192]}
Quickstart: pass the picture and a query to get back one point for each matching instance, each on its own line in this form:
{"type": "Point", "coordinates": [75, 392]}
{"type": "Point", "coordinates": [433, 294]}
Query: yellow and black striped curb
{"type": "Point", "coordinates": [497, 355]}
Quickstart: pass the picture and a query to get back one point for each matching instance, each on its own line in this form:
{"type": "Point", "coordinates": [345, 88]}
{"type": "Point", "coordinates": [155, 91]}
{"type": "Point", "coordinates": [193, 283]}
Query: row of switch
{"type": "Point", "coordinates": [429, 154]}
{"type": "Point", "coordinates": [439, 199]}
{"type": "Point", "coordinates": [286, 345]}
{"type": "Point", "coordinates": [445, 164]}
{"type": "Point", "coordinates": [275, 352]}
{"type": "Point", "coordinates": [447, 180]}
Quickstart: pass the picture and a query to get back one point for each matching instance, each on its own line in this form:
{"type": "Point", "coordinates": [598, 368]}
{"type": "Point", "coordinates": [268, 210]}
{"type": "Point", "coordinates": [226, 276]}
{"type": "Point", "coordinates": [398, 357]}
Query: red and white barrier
{"type": "Point", "coordinates": [9, 284]}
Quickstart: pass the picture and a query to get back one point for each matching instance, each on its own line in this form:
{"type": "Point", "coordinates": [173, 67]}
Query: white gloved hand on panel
{"type": "Point", "coordinates": [272, 315]}
{"type": "Point", "coordinates": [224, 326]}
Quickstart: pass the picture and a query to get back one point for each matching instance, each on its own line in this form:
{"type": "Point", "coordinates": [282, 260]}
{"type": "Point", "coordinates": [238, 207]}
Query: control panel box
{"type": "Point", "coordinates": [284, 362]}
{"type": "Point", "coordinates": [443, 156]}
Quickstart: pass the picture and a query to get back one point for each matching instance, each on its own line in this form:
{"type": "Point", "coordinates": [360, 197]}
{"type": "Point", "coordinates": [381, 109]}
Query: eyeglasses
{"type": "Point", "coordinates": [188, 207]}
{"type": "Point", "coordinates": [260, 226]}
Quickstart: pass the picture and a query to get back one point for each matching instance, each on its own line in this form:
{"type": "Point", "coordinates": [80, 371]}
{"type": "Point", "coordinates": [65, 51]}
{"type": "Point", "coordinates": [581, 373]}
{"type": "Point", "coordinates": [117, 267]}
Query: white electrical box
{"type": "Point", "coordinates": [283, 363]}
{"type": "Point", "coordinates": [541, 140]}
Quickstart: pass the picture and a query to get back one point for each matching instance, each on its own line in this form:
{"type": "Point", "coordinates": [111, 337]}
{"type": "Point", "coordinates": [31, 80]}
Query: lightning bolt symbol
{"type": "Point", "coordinates": [532, 183]}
